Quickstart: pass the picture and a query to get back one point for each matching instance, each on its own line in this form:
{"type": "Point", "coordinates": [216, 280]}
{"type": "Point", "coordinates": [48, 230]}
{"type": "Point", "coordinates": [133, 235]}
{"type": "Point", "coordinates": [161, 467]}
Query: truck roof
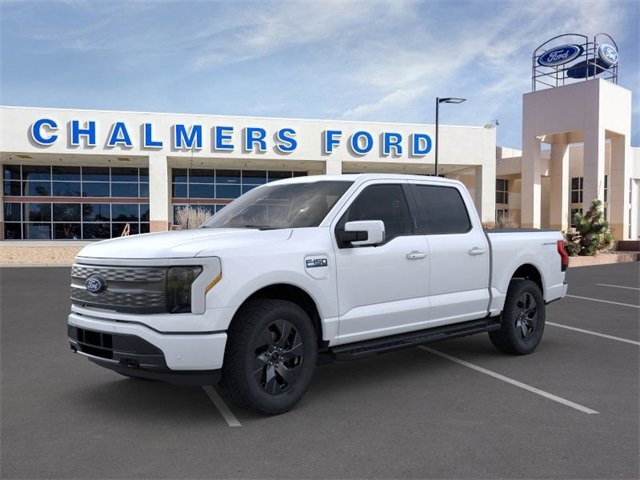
{"type": "Point", "coordinates": [363, 177]}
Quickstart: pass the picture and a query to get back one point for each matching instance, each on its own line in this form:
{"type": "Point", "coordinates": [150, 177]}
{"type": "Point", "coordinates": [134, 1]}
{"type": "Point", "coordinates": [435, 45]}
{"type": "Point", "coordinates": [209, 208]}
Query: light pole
{"type": "Point", "coordinates": [438, 102]}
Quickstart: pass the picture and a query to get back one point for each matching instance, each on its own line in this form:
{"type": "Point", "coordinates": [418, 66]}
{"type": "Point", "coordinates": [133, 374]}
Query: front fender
{"type": "Point", "coordinates": [238, 283]}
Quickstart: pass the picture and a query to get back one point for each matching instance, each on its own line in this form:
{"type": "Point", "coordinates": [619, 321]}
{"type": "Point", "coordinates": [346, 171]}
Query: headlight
{"type": "Point", "coordinates": [179, 280]}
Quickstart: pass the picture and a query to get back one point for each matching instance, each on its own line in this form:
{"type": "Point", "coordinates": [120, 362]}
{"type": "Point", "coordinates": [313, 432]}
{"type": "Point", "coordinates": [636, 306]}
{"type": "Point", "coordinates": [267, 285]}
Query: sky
{"type": "Point", "coordinates": [359, 60]}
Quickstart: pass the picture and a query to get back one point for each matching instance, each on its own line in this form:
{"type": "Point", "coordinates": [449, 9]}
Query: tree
{"type": "Point", "coordinates": [191, 217]}
{"type": "Point", "coordinates": [592, 232]}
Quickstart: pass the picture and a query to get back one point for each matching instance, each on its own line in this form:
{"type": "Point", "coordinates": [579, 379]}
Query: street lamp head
{"type": "Point", "coordinates": [438, 102]}
{"type": "Point", "coordinates": [451, 100]}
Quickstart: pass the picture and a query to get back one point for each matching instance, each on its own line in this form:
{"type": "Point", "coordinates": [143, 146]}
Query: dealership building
{"type": "Point", "coordinates": [83, 174]}
{"type": "Point", "coordinates": [89, 174]}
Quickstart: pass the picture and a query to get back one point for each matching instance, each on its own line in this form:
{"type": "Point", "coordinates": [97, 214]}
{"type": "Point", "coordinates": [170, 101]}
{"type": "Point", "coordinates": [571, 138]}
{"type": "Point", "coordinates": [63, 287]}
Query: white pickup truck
{"type": "Point", "coordinates": [298, 270]}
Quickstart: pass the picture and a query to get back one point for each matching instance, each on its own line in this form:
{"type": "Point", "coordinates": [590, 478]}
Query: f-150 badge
{"type": "Point", "coordinates": [317, 262]}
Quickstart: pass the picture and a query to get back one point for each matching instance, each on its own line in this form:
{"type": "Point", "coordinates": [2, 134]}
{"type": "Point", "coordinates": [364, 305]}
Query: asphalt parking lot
{"type": "Point", "coordinates": [457, 409]}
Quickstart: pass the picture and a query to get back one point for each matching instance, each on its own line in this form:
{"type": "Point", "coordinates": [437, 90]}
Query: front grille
{"type": "Point", "coordinates": [123, 274]}
{"type": "Point", "coordinates": [108, 299]}
{"type": "Point", "coordinates": [97, 344]}
{"type": "Point", "coordinates": [128, 289]}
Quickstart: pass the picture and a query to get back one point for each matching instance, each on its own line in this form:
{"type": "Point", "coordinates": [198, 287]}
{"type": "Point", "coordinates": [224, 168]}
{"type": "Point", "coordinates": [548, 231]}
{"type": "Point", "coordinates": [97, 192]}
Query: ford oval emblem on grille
{"type": "Point", "coordinates": [96, 284]}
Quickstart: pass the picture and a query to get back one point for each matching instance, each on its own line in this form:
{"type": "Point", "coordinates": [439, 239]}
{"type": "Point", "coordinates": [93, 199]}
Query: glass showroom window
{"type": "Point", "coordinates": [213, 189]}
{"type": "Point", "coordinates": [74, 202]}
{"type": "Point", "coordinates": [208, 207]}
{"type": "Point", "coordinates": [502, 191]}
{"type": "Point", "coordinates": [576, 189]}
{"type": "Point", "coordinates": [577, 184]}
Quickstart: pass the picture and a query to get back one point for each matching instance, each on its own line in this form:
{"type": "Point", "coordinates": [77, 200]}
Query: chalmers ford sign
{"type": "Point", "coordinates": [45, 132]}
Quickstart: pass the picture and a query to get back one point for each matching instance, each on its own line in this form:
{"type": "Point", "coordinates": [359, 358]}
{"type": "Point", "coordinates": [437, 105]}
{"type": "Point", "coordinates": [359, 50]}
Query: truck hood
{"type": "Point", "coordinates": [201, 242]}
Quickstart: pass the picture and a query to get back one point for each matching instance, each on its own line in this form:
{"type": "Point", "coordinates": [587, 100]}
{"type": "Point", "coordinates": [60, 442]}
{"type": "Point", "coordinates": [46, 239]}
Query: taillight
{"type": "Point", "coordinates": [564, 256]}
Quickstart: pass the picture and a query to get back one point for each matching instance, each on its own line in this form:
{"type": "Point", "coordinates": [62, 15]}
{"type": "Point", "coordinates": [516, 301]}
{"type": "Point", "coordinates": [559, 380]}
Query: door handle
{"type": "Point", "coordinates": [415, 255]}
{"type": "Point", "coordinates": [477, 251]}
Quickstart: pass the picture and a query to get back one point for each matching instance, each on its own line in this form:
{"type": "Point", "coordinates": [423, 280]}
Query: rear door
{"type": "Point", "coordinates": [458, 253]}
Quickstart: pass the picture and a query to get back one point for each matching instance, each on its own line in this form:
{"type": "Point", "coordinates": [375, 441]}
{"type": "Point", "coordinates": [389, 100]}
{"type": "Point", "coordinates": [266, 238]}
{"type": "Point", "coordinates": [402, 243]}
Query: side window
{"type": "Point", "coordinates": [381, 202]}
{"type": "Point", "coordinates": [441, 210]}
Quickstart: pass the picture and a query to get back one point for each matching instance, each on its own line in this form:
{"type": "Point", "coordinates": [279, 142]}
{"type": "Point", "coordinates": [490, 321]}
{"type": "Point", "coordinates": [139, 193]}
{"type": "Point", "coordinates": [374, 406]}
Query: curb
{"type": "Point", "coordinates": [604, 259]}
{"type": "Point", "coordinates": [35, 265]}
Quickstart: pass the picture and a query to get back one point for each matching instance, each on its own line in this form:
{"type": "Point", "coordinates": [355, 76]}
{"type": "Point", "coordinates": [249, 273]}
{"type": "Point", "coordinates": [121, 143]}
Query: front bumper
{"type": "Point", "coordinates": [137, 350]}
{"type": "Point", "coordinates": [133, 357]}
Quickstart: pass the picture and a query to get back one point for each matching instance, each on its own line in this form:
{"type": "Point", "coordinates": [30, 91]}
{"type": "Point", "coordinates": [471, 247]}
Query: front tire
{"type": "Point", "coordinates": [271, 355]}
{"type": "Point", "coordinates": [523, 319]}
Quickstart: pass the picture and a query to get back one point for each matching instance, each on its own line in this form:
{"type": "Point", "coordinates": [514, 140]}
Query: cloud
{"type": "Point", "coordinates": [396, 100]}
{"type": "Point", "coordinates": [281, 26]}
{"type": "Point", "coordinates": [377, 60]}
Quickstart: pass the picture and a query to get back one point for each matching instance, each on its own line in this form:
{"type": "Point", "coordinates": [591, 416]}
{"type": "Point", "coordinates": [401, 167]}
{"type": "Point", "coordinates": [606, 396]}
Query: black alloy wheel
{"type": "Point", "coordinates": [522, 319]}
{"type": "Point", "coordinates": [527, 318]}
{"type": "Point", "coordinates": [279, 356]}
{"type": "Point", "coordinates": [271, 355]}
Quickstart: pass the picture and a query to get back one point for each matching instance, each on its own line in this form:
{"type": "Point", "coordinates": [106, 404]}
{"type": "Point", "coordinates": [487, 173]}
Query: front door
{"type": "Point", "coordinates": [383, 289]}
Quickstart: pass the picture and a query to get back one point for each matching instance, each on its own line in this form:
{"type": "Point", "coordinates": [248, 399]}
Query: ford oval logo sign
{"type": "Point", "coordinates": [95, 284]}
{"type": "Point", "coordinates": [560, 55]}
{"type": "Point", "coordinates": [608, 54]}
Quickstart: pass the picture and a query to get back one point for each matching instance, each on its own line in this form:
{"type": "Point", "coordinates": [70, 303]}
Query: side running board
{"type": "Point", "coordinates": [354, 351]}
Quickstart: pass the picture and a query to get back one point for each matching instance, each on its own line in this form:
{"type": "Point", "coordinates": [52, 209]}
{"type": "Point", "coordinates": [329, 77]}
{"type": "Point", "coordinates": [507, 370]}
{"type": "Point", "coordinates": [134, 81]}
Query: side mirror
{"type": "Point", "coordinates": [362, 233]}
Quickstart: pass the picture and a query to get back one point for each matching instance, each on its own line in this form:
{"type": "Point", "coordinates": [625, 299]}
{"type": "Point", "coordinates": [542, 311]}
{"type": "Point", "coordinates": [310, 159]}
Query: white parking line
{"type": "Point", "coordinates": [604, 301]}
{"type": "Point", "coordinates": [511, 381]}
{"type": "Point", "coordinates": [225, 411]}
{"type": "Point", "coordinates": [610, 337]}
{"type": "Point", "coordinates": [616, 286]}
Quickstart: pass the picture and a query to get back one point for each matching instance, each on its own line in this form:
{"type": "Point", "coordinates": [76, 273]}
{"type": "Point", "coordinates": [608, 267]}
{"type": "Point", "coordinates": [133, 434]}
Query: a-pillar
{"type": "Point", "coordinates": [158, 193]}
{"type": "Point", "coordinates": [619, 187]}
{"type": "Point", "coordinates": [559, 173]}
{"type": "Point", "coordinates": [531, 182]}
{"type": "Point", "coordinates": [593, 166]}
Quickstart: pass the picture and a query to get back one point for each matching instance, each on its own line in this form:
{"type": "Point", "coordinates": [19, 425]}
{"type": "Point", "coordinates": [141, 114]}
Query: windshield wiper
{"type": "Point", "coordinates": [260, 227]}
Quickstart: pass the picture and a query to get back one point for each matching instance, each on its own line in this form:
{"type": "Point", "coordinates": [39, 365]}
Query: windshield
{"type": "Point", "coordinates": [291, 205]}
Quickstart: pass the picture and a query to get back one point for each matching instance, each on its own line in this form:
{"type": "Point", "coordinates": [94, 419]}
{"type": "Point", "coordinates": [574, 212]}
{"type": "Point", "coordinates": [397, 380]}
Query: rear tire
{"type": "Point", "coordinates": [523, 319]}
{"type": "Point", "coordinates": [271, 355]}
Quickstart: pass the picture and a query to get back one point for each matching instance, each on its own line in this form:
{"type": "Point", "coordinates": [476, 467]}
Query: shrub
{"type": "Point", "coordinates": [506, 221]}
{"type": "Point", "coordinates": [591, 234]}
{"type": "Point", "coordinates": [191, 217]}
